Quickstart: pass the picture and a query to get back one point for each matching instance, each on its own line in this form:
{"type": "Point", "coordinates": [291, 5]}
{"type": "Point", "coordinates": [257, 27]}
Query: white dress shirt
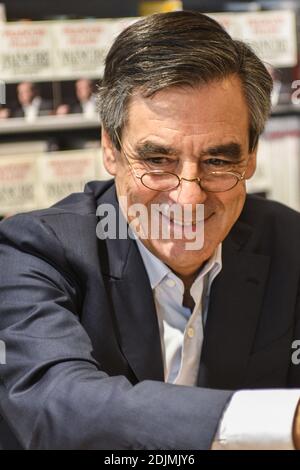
{"type": "Point", "coordinates": [181, 332]}
{"type": "Point", "coordinates": [31, 111]}
{"type": "Point", "coordinates": [255, 419]}
{"type": "Point", "coordinates": [89, 108]}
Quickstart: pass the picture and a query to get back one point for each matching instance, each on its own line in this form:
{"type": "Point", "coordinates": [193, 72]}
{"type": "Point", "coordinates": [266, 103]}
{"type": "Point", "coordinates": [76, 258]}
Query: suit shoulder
{"type": "Point", "coordinates": [38, 228]}
{"type": "Point", "coordinates": [271, 227]}
{"type": "Point", "coordinates": [68, 226]}
{"type": "Point", "coordinates": [260, 209]}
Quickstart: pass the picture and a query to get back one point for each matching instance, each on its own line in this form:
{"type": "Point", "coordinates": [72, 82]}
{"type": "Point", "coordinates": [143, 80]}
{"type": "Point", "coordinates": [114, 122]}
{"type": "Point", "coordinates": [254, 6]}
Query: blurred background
{"type": "Point", "coordinates": [51, 59]}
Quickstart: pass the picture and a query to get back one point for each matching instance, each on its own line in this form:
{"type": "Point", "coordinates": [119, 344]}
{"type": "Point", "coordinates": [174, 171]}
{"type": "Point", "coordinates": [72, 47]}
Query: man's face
{"type": "Point", "coordinates": [182, 129]}
{"type": "Point", "coordinates": [26, 93]}
{"type": "Point", "coordinates": [83, 90]}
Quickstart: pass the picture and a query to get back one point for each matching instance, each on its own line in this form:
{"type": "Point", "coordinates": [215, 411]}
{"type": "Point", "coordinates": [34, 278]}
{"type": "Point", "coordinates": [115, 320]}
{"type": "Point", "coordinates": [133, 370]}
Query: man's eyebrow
{"type": "Point", "coordinates": [231, 150]}
{"type": "Point", "coordinates": [147, 148]}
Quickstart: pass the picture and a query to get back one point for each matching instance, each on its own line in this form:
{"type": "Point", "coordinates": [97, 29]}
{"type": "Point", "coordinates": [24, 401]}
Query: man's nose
{"type": "Point", "coordinates": [189, 190]}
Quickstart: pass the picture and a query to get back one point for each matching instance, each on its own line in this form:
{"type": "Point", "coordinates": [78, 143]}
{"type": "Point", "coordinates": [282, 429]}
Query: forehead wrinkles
{"type": "Point", "coordinates": [169, 132]}
{"type": "Point", "coordinates": [192, 123]}
{"type": "Point", "coordinates": [198, 115]}
{"type": "Point", "coordinates": [216, 92]}
{"type": "Point", "coordinates": [196, 128]}
{"type": "Point", "coordinates": [178, 138]}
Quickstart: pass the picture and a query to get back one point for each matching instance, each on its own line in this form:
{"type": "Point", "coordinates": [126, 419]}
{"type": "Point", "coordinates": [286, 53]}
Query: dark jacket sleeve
{"type": "Point", "coordinates": [53, 394]}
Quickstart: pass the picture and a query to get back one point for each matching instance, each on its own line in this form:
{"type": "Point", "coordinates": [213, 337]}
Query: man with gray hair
{"type": "Point", "coordinates": [143, 341]}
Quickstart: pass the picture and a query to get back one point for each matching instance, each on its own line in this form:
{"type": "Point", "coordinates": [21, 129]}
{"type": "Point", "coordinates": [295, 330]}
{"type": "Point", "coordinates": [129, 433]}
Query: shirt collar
{"type": "Point", "coordinates": [35, 103]}
{"type": "Point", "coordinates": [157, 270]}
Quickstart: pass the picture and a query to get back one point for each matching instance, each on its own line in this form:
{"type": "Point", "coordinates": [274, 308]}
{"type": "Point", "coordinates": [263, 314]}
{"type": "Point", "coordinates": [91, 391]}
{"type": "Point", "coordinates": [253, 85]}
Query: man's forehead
{"type": "Point", "coordinates": [163, 101]}
{"type": "Point", "coordinates": [218, 102]}
{"type": "Point", "coordinates": [224, 84]}
{"type": "Point", "coordinates": [195, 128]}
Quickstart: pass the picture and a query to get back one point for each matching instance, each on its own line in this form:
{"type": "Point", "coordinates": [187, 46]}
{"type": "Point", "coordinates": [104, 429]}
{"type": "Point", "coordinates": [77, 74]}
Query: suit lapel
{"type": "Point", "coordinates": [132, 302]}
{"type": "Point", "coordinates": [235, 305]}
{"type": "Point", "coordinates": [136, 317]}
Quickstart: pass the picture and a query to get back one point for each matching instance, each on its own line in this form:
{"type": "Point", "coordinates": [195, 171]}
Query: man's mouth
{"type": "Point", "coordinates": [187, 220]}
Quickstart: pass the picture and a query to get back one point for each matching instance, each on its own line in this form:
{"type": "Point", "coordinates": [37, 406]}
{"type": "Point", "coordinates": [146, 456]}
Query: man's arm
{"type": "Point", "coordinates": [53, 393]}
{"type": "Point", "coordinates": [296, 428]}
{"type": "Point", "coordinates": [259, 420]}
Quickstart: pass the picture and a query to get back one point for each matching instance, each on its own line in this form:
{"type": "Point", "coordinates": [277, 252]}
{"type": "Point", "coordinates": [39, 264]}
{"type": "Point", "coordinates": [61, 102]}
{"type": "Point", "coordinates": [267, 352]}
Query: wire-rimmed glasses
{"type": "Point", "coordinates": [160, 180]}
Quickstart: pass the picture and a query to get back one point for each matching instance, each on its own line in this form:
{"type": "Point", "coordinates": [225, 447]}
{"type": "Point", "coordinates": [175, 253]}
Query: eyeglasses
{"type": "Point", "coordinates": [160, 180]}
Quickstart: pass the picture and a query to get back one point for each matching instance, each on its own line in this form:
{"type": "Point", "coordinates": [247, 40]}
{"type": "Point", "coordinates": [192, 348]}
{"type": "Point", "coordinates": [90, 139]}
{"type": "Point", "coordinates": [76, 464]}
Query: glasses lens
{"type": "Point", "coordinates": [160, 181]}
{"type": "Point", "coordinates": [219, 182]}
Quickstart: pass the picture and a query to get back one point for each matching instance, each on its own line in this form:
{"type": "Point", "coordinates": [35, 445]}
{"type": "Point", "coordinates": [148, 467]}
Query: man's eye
{"type": "Point", "coordinates": [159, 161]}
{"type": "Point", "coordinates": [219, 162]}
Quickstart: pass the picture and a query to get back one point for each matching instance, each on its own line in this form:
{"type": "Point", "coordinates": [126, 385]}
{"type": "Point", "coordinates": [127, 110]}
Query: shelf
{"type": "Point", "coordinates": [47, 123]}
{"type": "Point", "coordinates": [285, 109]}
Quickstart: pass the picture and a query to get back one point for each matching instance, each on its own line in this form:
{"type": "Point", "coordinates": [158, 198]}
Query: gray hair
{"type": "Point", "coordinates": [179, 49]}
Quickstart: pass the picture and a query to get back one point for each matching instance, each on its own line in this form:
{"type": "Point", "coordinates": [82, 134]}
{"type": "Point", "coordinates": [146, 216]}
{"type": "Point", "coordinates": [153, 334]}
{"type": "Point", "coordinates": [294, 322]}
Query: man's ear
{"type": "Point", "coordinates": [251, 167]}
{"type": "Point", "coordinates": [109, 153]}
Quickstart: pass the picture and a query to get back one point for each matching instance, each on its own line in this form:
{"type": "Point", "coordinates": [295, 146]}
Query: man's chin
{"type": "Point", "coordinates": [174, 251]}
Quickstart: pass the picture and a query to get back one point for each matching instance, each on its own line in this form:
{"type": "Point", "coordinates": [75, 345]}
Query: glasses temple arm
{"type": "Point", "coordinates": [125, 155]}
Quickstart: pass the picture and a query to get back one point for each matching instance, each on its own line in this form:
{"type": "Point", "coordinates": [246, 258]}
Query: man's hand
{"type": "Point", "coordinates": [296, 428]}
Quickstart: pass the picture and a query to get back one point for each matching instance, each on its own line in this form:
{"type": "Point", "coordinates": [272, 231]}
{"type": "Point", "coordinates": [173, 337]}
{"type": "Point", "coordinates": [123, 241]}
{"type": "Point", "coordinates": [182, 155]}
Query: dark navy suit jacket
{"type": "Point", "coordinates": [84, 366]}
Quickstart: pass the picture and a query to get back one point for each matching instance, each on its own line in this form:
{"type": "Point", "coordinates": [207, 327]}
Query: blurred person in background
{"type": "Point", "coordinates": [4, 112]}
{"type": "Point", "coordinates": [30, 103]}
{"type": "Point", "coordinates": [85, 100]}
{"type": "Point", "coordinates": [281, 92]}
